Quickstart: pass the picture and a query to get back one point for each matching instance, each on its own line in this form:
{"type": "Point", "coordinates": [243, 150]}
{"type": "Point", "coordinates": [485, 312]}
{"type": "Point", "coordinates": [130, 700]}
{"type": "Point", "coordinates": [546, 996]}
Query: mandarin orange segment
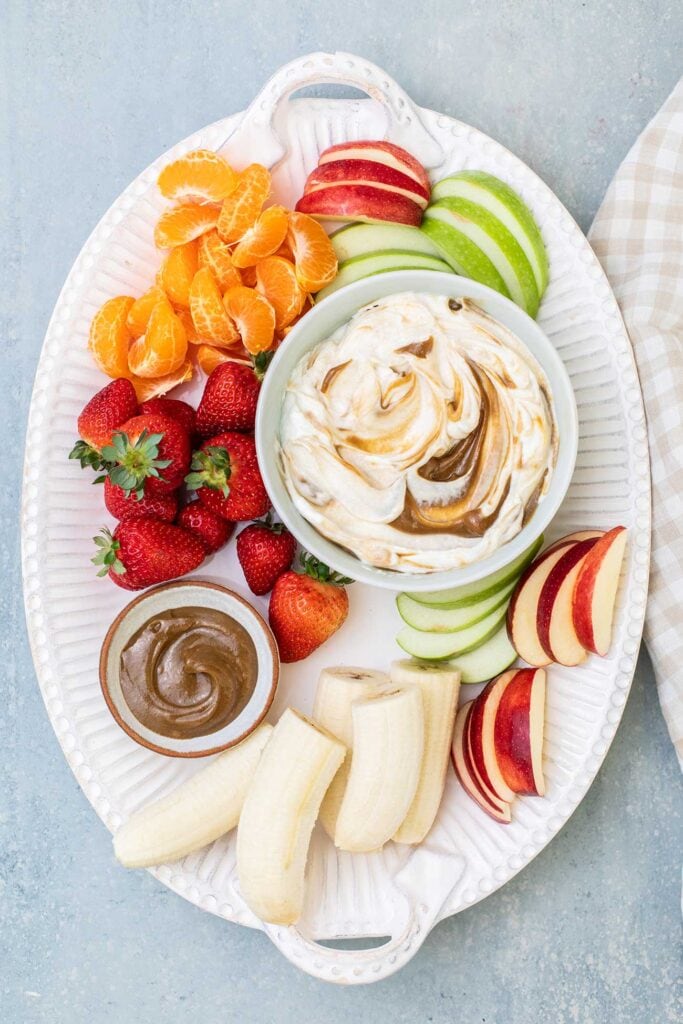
{"type": "Point", "coordinates": [183, 223]}
{"type": "Point", "coordinates": [209, 314]}
{"type": "Point", "coordinates": [110, 337]}
{"type": "Point", "coordinates": [162, 348]}
{"type": "Point", "coordinates": [243, 205]}
{"type": "Point", "coordinates": [215, 254]}
{"type": "Point", "coordinates": [248, 277]}
{"type": "Point", "coordinates": [254, 316]}
{"type": "Point", "coordinates": [141, 310]}
{"type": "Point", "coordinates": [276, 279]}
{"type": "Point", "coordinates": [177, 272]}
{"type": "Point", "coordinates": [304, 309]}
{"type": "Point", "coordinates": [146, 389]}
{"type": "Point", "coordinates": [193, 337]}
{"type": "Point", "coordinates": [285, 251]}
{"type": "Point", "coordinates": [202, 176]}
{"type": "Point", "coordinates": [263, 239]}
{"type": "Point", "coordinates": [209, 357]}
{"type": "Point", "coordinates": [314, 257]}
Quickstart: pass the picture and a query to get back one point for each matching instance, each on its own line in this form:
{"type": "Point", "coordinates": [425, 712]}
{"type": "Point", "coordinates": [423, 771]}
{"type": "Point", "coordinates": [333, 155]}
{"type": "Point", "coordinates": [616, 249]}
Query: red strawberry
{"type": "Point", "coordinates": [105, 411]}
{"type": "Point", "coordinates": [173, 408]}
{"type": "Point", "coordinates": [148, 455]}
{"type": "Point", "coordinates": [143, 552]}
{"type": "Point", "coordinates": [307, 608]}
{"type": "Point", "coordinates": [213, 531]}
{"type": "Point", "coordinates": [230, 397]}
{"type": "Point", "coordinates": [265, 551]}
{"type": "Point", "coordinates": [127, 506]}
{"type": "Point", "coordinates": [227, 479]}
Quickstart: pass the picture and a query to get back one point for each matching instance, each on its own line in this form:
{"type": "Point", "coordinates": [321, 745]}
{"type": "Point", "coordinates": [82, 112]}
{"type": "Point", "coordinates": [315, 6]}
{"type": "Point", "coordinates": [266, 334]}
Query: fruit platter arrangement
{"type": "Point", "coordinates": [336, 592]}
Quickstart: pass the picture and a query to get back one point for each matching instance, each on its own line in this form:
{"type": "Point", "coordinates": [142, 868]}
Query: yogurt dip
{"type": "Point", "coordinates": [420, 436]}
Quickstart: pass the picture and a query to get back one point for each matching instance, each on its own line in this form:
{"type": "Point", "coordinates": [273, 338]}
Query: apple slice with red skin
{"type": "Point", "coordinates": [556, 631]}
{"type": "Point", "coordinates": [595, 591]}
{"type": "Point", "coordinates": [482, 784]}
{"type": "Point", "coordinates": [366, 172]}
{"type": "Point", "coordinates": [462, 766]}
{"type": "Point", "coordinates": [360, 202]}
{"type": "Point", "coordinates": [481, 737]}
{"type": "Point", "coordinates": [522, 613]}
{"type": "Point", "coordinates": [573, 538]}
{"type": "Point", "coordinates": [518, 731]}
{"type": "Point", "coordinates": [380, 152]}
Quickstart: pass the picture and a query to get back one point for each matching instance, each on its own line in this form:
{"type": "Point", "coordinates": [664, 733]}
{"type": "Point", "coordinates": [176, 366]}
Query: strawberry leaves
{"type": "Point", "coordinates": [210, 468]}
{"type": "Point", "coordinates": [130, 465]}
{"type": "Point", "coordinates": [107, 554]}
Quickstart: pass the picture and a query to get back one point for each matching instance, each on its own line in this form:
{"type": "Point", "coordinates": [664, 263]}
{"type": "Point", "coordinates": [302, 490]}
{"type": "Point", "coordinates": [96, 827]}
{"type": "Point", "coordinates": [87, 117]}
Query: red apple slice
{"type": "Point", "coordinates": [518, 732]}
{"type": "Point", "coordinates": [522, 614]}
{"type": "Point", "coordinates": [480, 734]}
{"type": "Point", "coordinates": [595, 591]}
{"type": "Point", "coordinates": [360, 202]}
{"type": "Point", "coordinates": [367, 172]}
{"type": "Point", "coordinates": [498, 811]}
{"type": "Point", "coordinates": [572, 538]}
{"type": "Point", "coordinates": [556, 631]}
{"type": "Point", "coordinates": [382, 153]}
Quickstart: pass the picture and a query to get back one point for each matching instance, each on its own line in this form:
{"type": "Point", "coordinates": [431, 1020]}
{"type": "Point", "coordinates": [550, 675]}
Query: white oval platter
{"type": "Point", "coordinates": [399, 893]}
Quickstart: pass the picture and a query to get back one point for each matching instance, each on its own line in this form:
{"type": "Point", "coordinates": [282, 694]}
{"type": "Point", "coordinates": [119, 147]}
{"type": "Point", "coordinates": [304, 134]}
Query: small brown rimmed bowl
{"type": "Point", "coordinates": [194, 594]}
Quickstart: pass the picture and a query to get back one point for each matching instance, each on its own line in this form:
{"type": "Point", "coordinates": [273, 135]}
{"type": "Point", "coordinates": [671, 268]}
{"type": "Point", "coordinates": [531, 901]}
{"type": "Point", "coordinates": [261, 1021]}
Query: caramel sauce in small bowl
{"type": "Point", "coordinates": [189, 669]}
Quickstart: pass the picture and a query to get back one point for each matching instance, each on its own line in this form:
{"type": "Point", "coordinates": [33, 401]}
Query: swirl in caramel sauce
{"type": "Point", "coordinates": [188, 672]}
{"type": "Point", "coordinates": [420, 436]}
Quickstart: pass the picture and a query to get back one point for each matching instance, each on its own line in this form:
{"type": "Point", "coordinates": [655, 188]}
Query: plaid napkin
{"type": "Point", "coordinates": [638, 237]}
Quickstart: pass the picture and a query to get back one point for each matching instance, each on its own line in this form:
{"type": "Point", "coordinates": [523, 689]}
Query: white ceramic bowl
{"type": "Point", "coordinates": [318, 324]}
{"type": "Point", "coordinates": [193, 594]}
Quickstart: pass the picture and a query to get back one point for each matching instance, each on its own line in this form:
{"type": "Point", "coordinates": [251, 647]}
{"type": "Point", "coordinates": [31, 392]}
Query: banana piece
{"type": "Point", "coordinates": [279, 813]}
{"type": "Point", "coordinates": [388, 741]}
{"type": "Point", "coordinates": [439, 686]}
{"type": "Point", "coordinates": [337, 689]}
{"type": "Point", "coordinates": [200, 810]}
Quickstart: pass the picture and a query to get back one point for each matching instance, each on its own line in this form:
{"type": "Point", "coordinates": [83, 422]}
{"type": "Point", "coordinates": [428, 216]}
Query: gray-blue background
{"type": "Point", "coordinates": [91, 93]}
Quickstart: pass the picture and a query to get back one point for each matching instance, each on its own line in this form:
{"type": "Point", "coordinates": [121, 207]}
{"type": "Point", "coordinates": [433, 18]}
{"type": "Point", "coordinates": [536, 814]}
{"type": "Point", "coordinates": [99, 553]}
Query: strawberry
{"type": "Point", "coordinates": [105, 411]}
{"type": "Point", "coordinates": [213, 531]}
{"type": "Point", "coordinates": [148, 455]}
{"type": "Point", "coordinates": [173, 409]}
{"type": "Point", "coordinates": [229, 457]}
{"type": "Point", "coordinates": [146, 551]}
{"type": "Point", "coordinates": [307, 608]}
{"type": "Point", "coordinates": [128, 506]}
{"type": "Point", "coordinates": [265, 550]}
{"type": "Point", "coordinates": [230, 397]}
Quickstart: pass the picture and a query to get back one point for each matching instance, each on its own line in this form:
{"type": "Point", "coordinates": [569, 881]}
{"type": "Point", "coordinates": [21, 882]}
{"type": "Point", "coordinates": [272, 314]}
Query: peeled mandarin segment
{"type": "Point", "coordinates": [209, 357]}
{"type": "Point", "coordinates": [285, 251]}
{"type": "Point", "coordinates": [254, 316]}
{"type": "Point", "coordinates": [243, 205]}
{"type": "Point", "coordinates": [215, 254]}
{"type": "Point", "coordinates": [146, 389]}
{"type": "Point", "coordinates": [162, 348]}
{"type": "Point", "coordinates": [209, 314]}
{"type": "Point", "coordinates": [201, 175]}
{"type": "Point", "coordinates": [248, 277]}
{"type": "Point", "coordinates": [276, 279]}
{"type": "Point", "coordinates": [306, 306]}
{"type": "Point", "coordinates": [110, 337]}
{"type": "Point", "coordinates": [193, 338]}
{"type": "Point", "coordinates": [182, 224]}
{"type": "Point", "coordinates": [314, 256]}
{"type": "Point", "coordinates": [141, 310]}
{"type": "Point", "coordinates": [263, 239]}
{"type": "Point", "coordinates": [177, 272]}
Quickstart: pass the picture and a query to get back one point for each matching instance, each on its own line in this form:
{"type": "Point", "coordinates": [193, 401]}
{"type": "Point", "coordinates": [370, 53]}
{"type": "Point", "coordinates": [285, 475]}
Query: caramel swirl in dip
{"type": "Point", "coordinates": [188, 672]}
{"type": "Point", "coordinates": [420, 436]}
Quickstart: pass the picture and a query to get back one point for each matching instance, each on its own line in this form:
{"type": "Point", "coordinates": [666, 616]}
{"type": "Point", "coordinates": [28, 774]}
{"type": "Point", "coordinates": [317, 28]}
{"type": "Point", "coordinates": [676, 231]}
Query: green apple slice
{"type": "Point", "coordinates": [438, 646]}
{"type": "Point", "coordinates": [488, 661]}
{"type": "Point", "coordinates": [471, 593]}
{"type": "Point", "coordinates": [494, 239]}
{"type": "Point", "coordinates": [503, 202]}
{"type": "Point", "coordinates": [463, 255]}
{"type": "Point", "coordinates": [381, 263]}
{"type": "Point", "coordinates": [361, 239]}
{"type": "Point", "coordinates": [439, 619]}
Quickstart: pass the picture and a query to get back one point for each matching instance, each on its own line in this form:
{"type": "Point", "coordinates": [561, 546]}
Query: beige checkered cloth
{"type": "Point", "coordinates": [638, 236]}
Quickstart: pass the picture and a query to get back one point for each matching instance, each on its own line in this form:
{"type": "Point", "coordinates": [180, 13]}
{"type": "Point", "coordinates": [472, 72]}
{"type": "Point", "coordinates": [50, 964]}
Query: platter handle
{"type": "Point", "coordinates": [421, 889]}
{"type": "Point", "coordinates": [404, 120]}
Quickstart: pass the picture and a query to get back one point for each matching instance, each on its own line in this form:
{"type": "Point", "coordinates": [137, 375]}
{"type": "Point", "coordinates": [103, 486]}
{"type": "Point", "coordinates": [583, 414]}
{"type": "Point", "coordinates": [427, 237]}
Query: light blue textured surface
{"type": "Point", "coordinates": [91, 93]}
